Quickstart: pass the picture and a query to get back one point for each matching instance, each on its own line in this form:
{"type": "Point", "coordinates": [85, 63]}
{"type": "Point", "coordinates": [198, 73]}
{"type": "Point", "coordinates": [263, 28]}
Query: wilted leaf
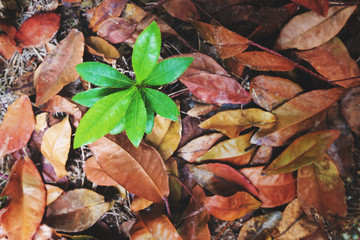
{"type": "Point", "coordinates": [333, 61]}
{"type": "Point", "coordinates": [7, 47]}
{"type": "Point", "coordinates": [274, 190]}
{"type": "Point", "coordinates": [321, 192]}
{"type": "Point", "coordinates": [38, 29]}
{"type": "Point", "coordinates": [75, 210]}
{"type": "Point", "coordinates": [116, 30]}
{"type": "Point", "coordinates": [221, 179]}
{"type": "Point", "coordinates": [232, 207]}
{"type": "Point", "coordinates": [268, 92]}
{"type": "Point", "coordinates": [26, 194]}
{"type": "Point", "coordinates": [351, 109]}
{"type": "Point", "coordinates": [309, 30]}
{"type": "Point", "coordinates": [58, 68]}
{"type": "Point", "coordinates": [139, 203]}
{"type": "Point", "coordinates": [52, 193]}
{"type": "Point", "coordinates": [56, 145]}
{"type": "Point", "coordinates": [153, 226]}
{"type": "Point", "coordinates": [16, 129]}
{"type": "Point", "coordinates": [232, 122]}
{"type": "Point", "coordinates": [102, 48]}
{"type": "Point", "coordinates": [264, 61]}
{"type": "Point", "coordinates": [139, 170]}
{"type": "Point", "coordinates": [226, 42]}
{"type": "Point", "coordinates": [182, 9]}
{"type": "Point", "coordinates": [319, 6]}
{"type": "Point", "coordinates": [262, 155]}
{"type": "Point", "coordinates": [296, 115]}
{"type": "Point", "coordinates": [96, 174]}
{"type": "Point", "coordinates": [302, 152]}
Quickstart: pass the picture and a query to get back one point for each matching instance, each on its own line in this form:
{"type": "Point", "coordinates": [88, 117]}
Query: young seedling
{"type": "Point", "coordinates": [121, 103]}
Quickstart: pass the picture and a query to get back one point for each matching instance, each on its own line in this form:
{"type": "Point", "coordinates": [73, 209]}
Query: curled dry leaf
{"type": "Point", "coordinates": [274, 190]}
{"type": "Point", "coordinates": [309, 30]}
{"type": "Point", "coordinates": [350, 109]}
{"type": "Point", "coordinates": [75, 210]}
{"type": "Point", "coordinates": [232, 122]}
{"type": "Point", "coordinates": [268, 92]}
{"type": "Point", "coordinates": [333, 61]}
{"type": "Point", "coordinates": [319, 6]}
{"type": "Point", "coordinates": [296, 115]}
{"type": "Point", "coordinates": [58, 68]}
{"type": "Point", "coordinates": [52, 193]}
{"type": "Point", "coordinates": [139, 170]}
{"type": "Point", "coordinates": [116, 30]}
{"type": "Point", "coordinates": [38, 29]}
{"type": "Point", "coordinates": [26, 195]}
{"type": "Point", "coordinates": [226, 42]}
{"type": "Point", "coordinates": [182, 9]}
{"type": "Point", "coordinates": [102, 48]}
{"type": "Point", "coordinates": [16, 129]}
{"type": "Point", "coordinates": [7, 47]}
{"type": "Point", "coordinates": [96, 174]}
{"type": "Point", "coordinates": [56, 146]}
{"type": "Point", "coordinates": [232, 207]}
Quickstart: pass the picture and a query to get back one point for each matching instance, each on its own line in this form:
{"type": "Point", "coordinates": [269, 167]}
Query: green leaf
{"type": "Point", "coordinates": [135, 119]}
{"type": "Point", "coordinates": [103, 75]}
{"type": "Point", "coordinates": [90, 97]}
{"type": "Point", "coordinates": [150, 119]}
{"type": "Point", "coordinates": [102, 117]}
{"type": "Point", "coordinates": [161, 104]}
{"type": "Point", "coordinates": [120, 126]}
{"type": "Point", "coordinates": [146, 52]}
{"type": "Point", "coordinates": [168, 70]}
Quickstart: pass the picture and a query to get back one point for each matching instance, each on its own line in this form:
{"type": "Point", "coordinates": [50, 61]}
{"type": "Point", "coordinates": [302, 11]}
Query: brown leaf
{"type": "Point", "coordinates": [23, 85]}
{"type": "Point", "coordinates": [9, 29]}
{"type": "Point", "coordinates": [321, 192]}
{"type": "Point", "coordinates": [58, 68]}
{"type": "Point", "coordinates": [46, 232]}
{"type": "Point", "coordinates": [182, 9]}
{"type": "Point", "coordinates": [139, 203]}
{"type": "Point", "coordinates": [102, 48]}
{"type": "Point", "coordinates": [191, 129]}
{"type": "Point", "coordinates": [56, 145]}
{"type": "Point", "coordinates": [296, 115]}
{"type": "Point", "coordinates": [16, 129]}
{"type": "Point", "coordinates": [309, 30]}
{"type": "Point", "coordinates": [234, 13]}
{"type": "Point", "coordinates": [235, 67]}
{"type": "Point", "coordinates": [7, 49]}
{"type": "Point", "coordinates": [26, 194]}
{"type": "Point", "coordinates": [153, 226]}
{"type": "Point", "coordinates": [262, 155]}
{"type": "Point", "coordinates": [274, 190]}
{"type": "Point", "coordinates": [268, 92]}
{"type": "Point", "coordinates": [351, 109]}
{"type": "Point", "coordinates": [232, 207]}
{"type": "Point", "coordinates": [96, 174]}
{"type": "Point", "coordinates": [319, 6]}
{"type": "Point", "coordinates": [174, 185]}
{"type": "Point", "coordinates": [233, 122]}
{"type": "Point", "coordinates": [333, 61]}
{"type": "Point", "coordinates": [75, 210]}
{"type": "Point", "coordinates": [38, 29]}
{"type": "Point", "coordinates": [52, 193]}
{"type": "Point", "coordinates": [226, 42]}
{"type": "Point", "coordinates": [200, 109]}
{"type": "Point", "coordinates": [139, 170]}
{"type": "Point", "coordinates": [270, 16]}
{"type": "Point", "coordinates": [116, 30]}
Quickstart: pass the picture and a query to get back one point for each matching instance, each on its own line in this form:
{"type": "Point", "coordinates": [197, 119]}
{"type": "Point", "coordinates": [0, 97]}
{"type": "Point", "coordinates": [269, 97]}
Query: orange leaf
{"type": "Point", "coordinates": [139, 170]}
{"type": "Point", "coordinates": [10, 30]}
{"type": "Point", "coordinates": [102, 48]}
{"type": "Point", "coordinates": [319, 6]}
{"type": "Point", "coordinates": [58, 68]}
{"type": "Point", "coordinates": [139, 203]}
{"type": "Point", "coordinates": [232, 207]}
{"type": "Point", "coordinates": [27, 199]}
{"type": "Point", "coordinates": [274, 190]}
{"type": "Point", "coordinates": [116, 30]}
{"type": "Point", "coordinates": [52, 193]}
{"type": "Point", "coordinates": [182, 9]}
{"type": "Point", "coordinates": [38, 29]}
{"type": "Point", "coordinates": [7, 47]}
{"type": "Point", "coordinates": [96, 174]}
{"type": "Point", "coordinates": [16, 128]}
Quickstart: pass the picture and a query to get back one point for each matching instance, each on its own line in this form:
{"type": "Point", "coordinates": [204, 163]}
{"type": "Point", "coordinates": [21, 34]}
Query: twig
{"type": "Point", "coordinates": [223, 230]}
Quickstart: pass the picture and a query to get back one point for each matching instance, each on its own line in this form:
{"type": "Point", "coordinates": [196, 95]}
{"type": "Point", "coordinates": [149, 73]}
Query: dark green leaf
{"type": "Point", "coordinates": [90, 97]}
{"type": "Point", "coordinates": [150, 119]}
{"type": "Point", "coordinates": [161, 104]}
{"type": "Point", "coordinates": [146, 52]}
{"type": "Point", "coordinates": [102, 117]}
{"type": "Point", "coordinates": [103, 75]}
{"type": "Point", "coordinates": [168, 70]}
{"type": "Point", "coordinates": [135, 119]}
{"type": "Point", "coordinates": [120, 126]}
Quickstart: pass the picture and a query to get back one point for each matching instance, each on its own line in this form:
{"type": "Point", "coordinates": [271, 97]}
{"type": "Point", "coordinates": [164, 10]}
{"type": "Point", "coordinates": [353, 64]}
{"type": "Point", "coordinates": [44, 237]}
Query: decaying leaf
{"type": "Point", "coordinates": [52, 193]}
{"type": "Point", "coordinates": [58, 68]}
{"type": "Point", "coordinates": [75, 210]}
{"type": "Point", "coordinates": [56, 145]}
{"type": "Point", "coordinates": [350, 109]}
{"type": "Point", "coordinates": [102, 48]}
{"type": "Point", "coordinates": [26, 195]}
{"type": "Point", "coordinates": [116, 30]}
{"type": "Point", "coordinates": [319, 6]}
{"type": "Point", "coordinates": [309, 30]}
{"type": "Point", "coordinates": [16, 128]}
{"type": "Point", "coordinates": [232, 122]}
{"type": "Point", "coordinates": [182, 9]}
{"type": "Point", "coordinates": [96, 174]}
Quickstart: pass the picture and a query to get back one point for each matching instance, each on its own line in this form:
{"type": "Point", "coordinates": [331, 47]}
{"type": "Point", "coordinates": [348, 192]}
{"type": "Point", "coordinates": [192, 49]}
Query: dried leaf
{"type": "Point", "coordinates": [201, 109]}
{"type": "Point", "coordinates": [116, 30]}
{"type": "Point", "coordinates": [262, 155]}
{"type": "Point", "coordinates": [175, 186]}
{"type": "Point", "coordinates": [302, 152]}
{"type": "Point", "coordinates": [96, 174]}
{"type": "Point", "coordinates": [131, 168]}
{"type": "Point", "coordinates": [191, 129]}
{"type": "Point", "coordinates": [26, 194]}
{"type": "Point", "coordinates": [16, 129]}
{"type": "Point", "coordinates": [23, 85]}
{"type": "Point", "coordinates": [58, 68]}
{"type": "Point", "coordinates": [221, 179]}
{"type": "Point", "coordinates": [75, 210]}
{"type": "Point", "coordinates": [139, 203]}
{"type": "Point", "coordinates": [182, 9]}
{"type": "Point", "coordinates": [309, 30]}
{"type": "Point", "coordinates": [102, 48]}
{"type": "Point", "coordinates": [351, 109]}
{"type": "Point", "coordinates": [333, 61]}
{"type": "Point", "coordinates": [56, 145]}
{"type": "Point", "coordinates": [274, 190]}
{"type": "Point", "coordinates": [232, 122]}
{"type": "Point", "coordinates": [9, 29]}
{"type": "Point", "coordinates": [38, 29]}
{"type": "Point", "coordinates": [7, 47]}
{"type": "Point", "coordinates": [268, 92]}
{"type": "Point", "coordinates": [319, 6]}
{"type": "Point", "coordinates": [232, 207]}
{"type": "Point", "coordinates": [270, 17]}
{"type": "Point", "coordinates": [296, 115]}
{"type": "Point", "coordinates": [226, 42]}
{"type": "Point", "coordinates": [52, 193]}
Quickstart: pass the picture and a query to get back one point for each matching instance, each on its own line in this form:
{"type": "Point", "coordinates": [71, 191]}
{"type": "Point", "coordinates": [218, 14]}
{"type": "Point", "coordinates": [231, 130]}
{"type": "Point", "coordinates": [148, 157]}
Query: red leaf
{"type": "Point", "coordinates": [7, 47]}
{"type": "Point", "coordinates": [319, 6]}
{"type": "Point", "coordinates": [38, 29]}
{"type": "Point", "coordinates": [116, 30]}
{"type": "Point", "coordinates": [96, 174]}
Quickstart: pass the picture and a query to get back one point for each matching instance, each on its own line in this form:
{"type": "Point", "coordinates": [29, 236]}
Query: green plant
{"type": "Point", "coordinates": [125, 104]}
